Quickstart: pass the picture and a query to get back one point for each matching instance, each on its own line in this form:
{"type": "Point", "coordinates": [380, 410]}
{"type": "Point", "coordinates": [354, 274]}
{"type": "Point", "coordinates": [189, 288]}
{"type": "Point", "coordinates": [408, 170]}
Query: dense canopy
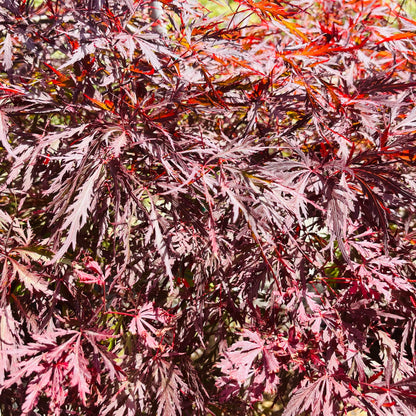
{"type": "Point", "coordinates": [207, 208]}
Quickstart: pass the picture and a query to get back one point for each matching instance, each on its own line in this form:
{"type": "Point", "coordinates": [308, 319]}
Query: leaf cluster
{"type": "Point", "coordinates": [204, 213]}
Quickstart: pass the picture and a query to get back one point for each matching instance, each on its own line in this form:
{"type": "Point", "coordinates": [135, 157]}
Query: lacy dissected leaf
{"type": "Point", "coordinates": [140, 323]}
{"type": "Point", "coordinates": [10, 339]}
{"type": "Point", "coordinates": [77, 213]}
{"type": "Point", "coordinates": [252, 361]}
{"type": "Point", "coordinates": [170, 386]}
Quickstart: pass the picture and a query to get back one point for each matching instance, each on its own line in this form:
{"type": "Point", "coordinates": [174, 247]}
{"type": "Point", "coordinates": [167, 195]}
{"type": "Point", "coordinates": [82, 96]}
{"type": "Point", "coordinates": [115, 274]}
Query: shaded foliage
{"type": "Point", "coordinates": [202, 212]}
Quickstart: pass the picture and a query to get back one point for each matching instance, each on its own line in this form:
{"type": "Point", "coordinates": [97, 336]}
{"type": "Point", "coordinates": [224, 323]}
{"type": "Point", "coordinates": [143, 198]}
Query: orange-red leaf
{"type": "Point", "coordinates": [397, 36]}
{"type": "Point", "coordinates": [106, 105]}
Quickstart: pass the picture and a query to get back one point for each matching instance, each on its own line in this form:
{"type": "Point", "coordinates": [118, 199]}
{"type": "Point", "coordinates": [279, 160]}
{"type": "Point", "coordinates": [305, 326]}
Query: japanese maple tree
{"type": "Point", "coordinates": [207, 209]}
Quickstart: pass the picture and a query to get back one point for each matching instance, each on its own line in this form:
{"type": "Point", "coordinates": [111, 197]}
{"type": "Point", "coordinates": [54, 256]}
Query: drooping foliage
{"type": "Point", "coordinates": [207, 213]}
